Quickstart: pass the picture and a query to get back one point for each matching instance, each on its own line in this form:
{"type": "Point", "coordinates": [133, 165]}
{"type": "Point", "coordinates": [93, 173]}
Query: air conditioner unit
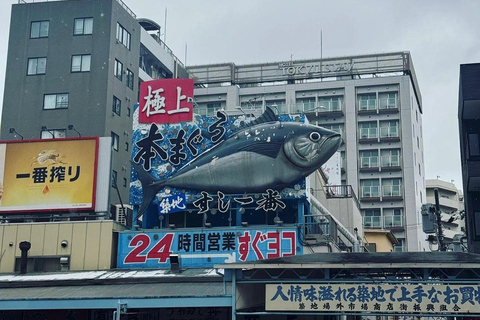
{"type": "Point", "coordinates": [123, 214]}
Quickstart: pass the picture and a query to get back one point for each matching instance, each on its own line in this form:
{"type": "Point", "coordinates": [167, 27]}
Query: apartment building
{"type": "Point", "coordinates": [73, 69]}
{"type": "Point", "coordinates": [374, 101]}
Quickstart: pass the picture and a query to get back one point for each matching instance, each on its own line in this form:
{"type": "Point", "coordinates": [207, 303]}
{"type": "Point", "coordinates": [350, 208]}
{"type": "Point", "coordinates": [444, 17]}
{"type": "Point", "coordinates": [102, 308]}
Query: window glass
{"type": "Point", "coordinates": [36, 66]}
{"type": "Point", "coordinates": [130, 79]}
{"type": "Point", "coordinates": [123, 36]}
{"type": "Point", "coordinates": [118, 70]}
{"type": "Point", "coordinates": [115, 140]}
{"type": "Point", "coordinates": [53, 133]}
{"type": "Point", "coordinates": [55, 101]}
{"type": "Point", "coordinates": [117, 105]}
{"type": "Point", "coordinates": [83, 26]}
{"type": "Point", "coordinates": [81, 63]}
{"type": "Point", "coordinates": [39, 29]}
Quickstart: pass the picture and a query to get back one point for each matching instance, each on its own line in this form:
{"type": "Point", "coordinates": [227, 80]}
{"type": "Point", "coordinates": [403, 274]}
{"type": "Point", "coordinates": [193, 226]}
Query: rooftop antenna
{"type": "Point", "coordinates": [165, 29]}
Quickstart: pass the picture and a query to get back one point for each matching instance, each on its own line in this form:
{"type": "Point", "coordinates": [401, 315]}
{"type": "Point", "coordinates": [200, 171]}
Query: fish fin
{"type": "Point", "coordinates": [150, 187]}
{"type": "Point", "coordinates": [269, 149]}
{"type": "Point", "coordinates": [267, 116]}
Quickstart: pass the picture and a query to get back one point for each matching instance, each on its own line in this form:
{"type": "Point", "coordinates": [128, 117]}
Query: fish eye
{"type": "Point", "coordinates": [315, 136]}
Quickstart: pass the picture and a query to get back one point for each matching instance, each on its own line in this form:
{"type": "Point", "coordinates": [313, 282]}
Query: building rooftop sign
{"type": "Point", "coordinates": [397, 63]}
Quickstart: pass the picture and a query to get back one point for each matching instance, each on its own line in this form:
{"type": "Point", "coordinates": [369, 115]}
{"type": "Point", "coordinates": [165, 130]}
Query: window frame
{"type": "Point", "coordinates": [56, 134]}
{"type": "Point", "coordinates": [130, 78]}
{"type": "Point", "coordinates": [40, 22]}
{"type": "Point", "coordinates": [117, 106]}
{"type": "Point", "coordinates": [115, 140]}
{"type": "Point", "coordinates": [36, 68]}
{"type": "Point", "coordinates": [82, 56]}
{"type": "Point", "coordinates": [116, 72]}
{"type": "Point", "coordinates": [83, 26]}
{"type": "Point", "coordinates": [58, 104]}
{"type": "Point", "coordinates": [123, 36]}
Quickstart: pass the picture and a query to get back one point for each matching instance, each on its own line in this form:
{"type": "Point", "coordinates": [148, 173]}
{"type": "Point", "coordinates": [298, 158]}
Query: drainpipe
{"type": "Point", "coordinates": [24, 247]}
{"type": "Point", "coordinates": [340, 227]}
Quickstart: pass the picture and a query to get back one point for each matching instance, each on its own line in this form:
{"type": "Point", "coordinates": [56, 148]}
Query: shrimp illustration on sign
{"type": "Point", "coordinates": [47, 157]}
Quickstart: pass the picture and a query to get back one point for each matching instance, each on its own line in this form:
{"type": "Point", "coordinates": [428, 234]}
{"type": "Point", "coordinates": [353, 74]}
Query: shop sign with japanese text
{"type": "Point", "coordinates": [52, 174]}
{"type": "Point", "coordinates": [166, 101]}
{"type": "Point", "coordinates": [205, 248]}
{"type": "Point", "coordinates": [374, 298]}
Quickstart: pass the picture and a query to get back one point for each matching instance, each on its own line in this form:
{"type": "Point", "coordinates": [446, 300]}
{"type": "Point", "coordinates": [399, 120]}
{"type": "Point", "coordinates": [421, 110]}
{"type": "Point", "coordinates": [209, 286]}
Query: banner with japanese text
{"type": "Point", "coordinates": [204, 248]}
{"type": "Point", "coordinates": [375, 298]}
{"type": "Point", "coordinates": [166, 101]}
{"type": "Point", "coordinates": [56, 174]}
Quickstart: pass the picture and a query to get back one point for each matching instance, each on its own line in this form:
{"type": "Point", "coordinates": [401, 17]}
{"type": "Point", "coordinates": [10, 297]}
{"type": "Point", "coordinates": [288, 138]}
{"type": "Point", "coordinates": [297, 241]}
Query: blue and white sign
{"type": "Point", "coordinates": [175, 203]}
{"type": "Point", "coordinates": [204, 248]}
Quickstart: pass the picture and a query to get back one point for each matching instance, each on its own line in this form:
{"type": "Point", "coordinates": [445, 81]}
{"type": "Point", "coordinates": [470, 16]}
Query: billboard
{"type": "Point", "coordinates": [408, 298]}
{"type": "Point", "coordinates": [56, 174]}
{"type": "Point", "coordinates": [226, 159]}
{"type": "Point", "coordinates": [204, 248]}
{"type": "Point", "coordinates": [166, 101]}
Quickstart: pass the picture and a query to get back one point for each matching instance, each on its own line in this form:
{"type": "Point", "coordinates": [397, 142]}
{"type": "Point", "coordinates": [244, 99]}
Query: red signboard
{"type": "Point", "coordinates": [166, 101]}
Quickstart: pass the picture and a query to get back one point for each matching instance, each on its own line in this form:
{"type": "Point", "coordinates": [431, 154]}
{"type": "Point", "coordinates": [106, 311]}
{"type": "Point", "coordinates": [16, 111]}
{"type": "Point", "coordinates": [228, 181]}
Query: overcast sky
{"type": "Point", "coordinates": [440, 34]}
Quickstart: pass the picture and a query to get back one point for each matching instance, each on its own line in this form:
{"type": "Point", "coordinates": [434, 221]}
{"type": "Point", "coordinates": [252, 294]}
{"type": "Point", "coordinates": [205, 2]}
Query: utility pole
{"type": "Point", "coordinates": [441, 244]}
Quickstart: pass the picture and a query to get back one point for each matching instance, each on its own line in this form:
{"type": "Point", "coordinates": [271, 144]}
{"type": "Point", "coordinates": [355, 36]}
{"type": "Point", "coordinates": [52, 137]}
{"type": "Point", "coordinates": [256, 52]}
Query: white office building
{"type": "Point", "coordinates": [374, 101]}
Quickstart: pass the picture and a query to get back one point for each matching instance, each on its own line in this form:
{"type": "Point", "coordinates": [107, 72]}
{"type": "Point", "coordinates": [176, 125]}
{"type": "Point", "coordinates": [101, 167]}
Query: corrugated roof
{"type": "Point", "coordinates": [364, 259]}
{"type": "Point", "coordinates": [116, 291]}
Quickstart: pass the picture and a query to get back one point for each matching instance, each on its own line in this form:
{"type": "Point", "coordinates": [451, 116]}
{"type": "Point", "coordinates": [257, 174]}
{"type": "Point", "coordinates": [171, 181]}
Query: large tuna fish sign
{"type": "Point", "coordinates": [264, 154]}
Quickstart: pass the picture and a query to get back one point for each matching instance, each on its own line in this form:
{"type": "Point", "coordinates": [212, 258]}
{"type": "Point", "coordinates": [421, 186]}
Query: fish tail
{"type": "Point", "coordinates": [150, 187]}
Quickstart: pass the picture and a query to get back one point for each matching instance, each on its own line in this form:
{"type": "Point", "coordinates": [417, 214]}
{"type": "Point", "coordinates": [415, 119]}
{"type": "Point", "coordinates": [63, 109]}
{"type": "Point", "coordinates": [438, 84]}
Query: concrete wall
{"type": "Point", "coordinates": [92, 245]}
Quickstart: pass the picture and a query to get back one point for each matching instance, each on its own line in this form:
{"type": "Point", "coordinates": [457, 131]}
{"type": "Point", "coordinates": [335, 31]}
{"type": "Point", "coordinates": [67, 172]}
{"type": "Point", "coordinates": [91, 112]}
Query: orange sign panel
{"type": "Point", "coordinates": [48, 175]}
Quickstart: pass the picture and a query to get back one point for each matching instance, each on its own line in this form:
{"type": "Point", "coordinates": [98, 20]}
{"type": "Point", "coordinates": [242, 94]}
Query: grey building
{"type": "Point", "coordinates": [469, 125]}
{"type": "Point", "coordinates": [74, 68]}
{"type": "Point", "coordinates": [374, 101]}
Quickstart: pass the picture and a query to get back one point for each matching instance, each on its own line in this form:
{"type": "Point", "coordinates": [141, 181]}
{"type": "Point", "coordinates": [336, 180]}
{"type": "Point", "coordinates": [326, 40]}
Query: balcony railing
{"type": "Point", "coordinates": [370, 191]}
{"type": "Point", "coordinates": [391, 191]}
{"type": "Point", "coordinates": [390, 161]}
{"type": "Point", "coordinates": [368, 133]}
{"type": "Point", "coordinates": [389, 132]}
{"type": "Point", "coordinates": [387, 103]}
{"type": "Point", "coordinates": [372, 222]}
{"type": "Point", "coordinates": [321, 106]}
{"type": "Point", "coordinates": [341, 191]}
{"type": "Point", "coordinates": [393, 221]}
{"type": "Point", "coordinates": [369, 162]}
{"type": "Point", "coordinates": [368, 104]}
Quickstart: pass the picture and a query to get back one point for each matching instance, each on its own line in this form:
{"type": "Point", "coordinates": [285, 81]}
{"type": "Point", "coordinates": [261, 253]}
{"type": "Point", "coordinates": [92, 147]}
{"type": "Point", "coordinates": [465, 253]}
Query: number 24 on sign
{"type": "Point", "coordinates": [160, 251]}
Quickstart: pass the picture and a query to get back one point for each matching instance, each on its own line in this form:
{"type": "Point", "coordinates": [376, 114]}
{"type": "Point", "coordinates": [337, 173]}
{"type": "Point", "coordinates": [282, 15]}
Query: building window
{"type": "Point", "coordinates": [55, 101]}
{"type": "Point", "coordinates": [389, 129]}
{"type": "Point", "coordinates": [125, 182]}
{"type": "Point", "coordinates": [126, 146]}
{"type": "Point", "coordinates": [115, 141]}
{"type": "Point", "coordinates": [372, 218]}
{"type": "Point", "coordinates": [391, 187]}
{"type": "Point", "coordinates": [114, 179]}
{"type": "Point", "coordinates": [130, 79]}
{"type": "Point", "coordinates": [368, 130]}
{"type": "Point", "coordinates": [367, 102]}
{"type": "Point", "coordinates": [36, 66]}
{"type": "Point", "coordinates": [330, 103]}
{"type": "Point", "coordinates": [118, 71]}
{"type": "Point", "coordinates": [81, 63]}
{"type": "Point", "coordinates": [123, 36]}
{"type": "Point", "coordinates": [400, 247]}
{"type": "Point", "coordinates": [209, 109]}
{"type": "Point", "coordinates": [306, 105]}
{"type": "Point", "coordinates": [473, 144]}
{"type": "Point", "coordinates": [117, 106]}
{"type": "Point", "coordinates": [39, 29]}
{"type": "Point", "coordinates": [83, 26]}
{"type": "Point", "coordinates": [53, 133]}
{"type": "Point", "coordinates": [370, 188]}
{"type": "Point", "coordinates": [390, 158]}
{"type": "Point", "coordinates": [392, 218]}
{"type": "Point", "coordinates": [387, 100]}
{"type": "Point", "coordinates": [128, 111]}
{"type": "Point", "coordinates": [369, 159]}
